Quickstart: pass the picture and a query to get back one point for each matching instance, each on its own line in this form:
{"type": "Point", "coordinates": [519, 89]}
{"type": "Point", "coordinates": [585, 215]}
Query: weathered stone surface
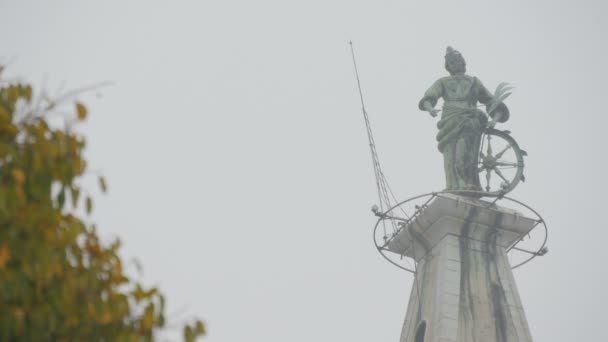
{"type": "Point", "coordinates": [465, 291]}
{"type": "Point", "coordinates": [447, 214]}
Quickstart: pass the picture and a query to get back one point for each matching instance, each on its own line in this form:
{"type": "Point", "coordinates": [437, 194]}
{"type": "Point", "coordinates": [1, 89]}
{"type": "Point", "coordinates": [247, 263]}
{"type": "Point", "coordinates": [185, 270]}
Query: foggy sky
{"type": "Point", "coordinates": [238, 165]}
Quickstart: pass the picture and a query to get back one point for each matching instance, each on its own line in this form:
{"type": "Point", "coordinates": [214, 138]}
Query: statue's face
{"type": "Point", "coordinates": [456, 65]}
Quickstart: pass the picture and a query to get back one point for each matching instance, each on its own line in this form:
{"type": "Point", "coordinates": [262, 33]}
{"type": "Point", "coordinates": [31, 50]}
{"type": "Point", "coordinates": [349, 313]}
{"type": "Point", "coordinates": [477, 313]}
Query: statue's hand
{"type": "Point", "coordinates": [492, 123]}
{"type": "Point", "coordinates": [495, 118]}
{"type": "Point", "coordinates": [429, 108]}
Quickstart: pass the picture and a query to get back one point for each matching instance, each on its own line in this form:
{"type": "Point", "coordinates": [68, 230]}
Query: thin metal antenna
{"type": "Point", "coordinates": [352, 52]}
{"type": "Point", "coordinates": [384, 191]}
{"type": "Point", "coordinates": [377, 171]}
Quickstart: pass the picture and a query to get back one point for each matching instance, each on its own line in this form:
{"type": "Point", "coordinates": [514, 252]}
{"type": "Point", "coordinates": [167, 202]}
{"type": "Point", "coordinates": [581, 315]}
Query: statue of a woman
{"type": "Point", "coordinates": [462, 123]}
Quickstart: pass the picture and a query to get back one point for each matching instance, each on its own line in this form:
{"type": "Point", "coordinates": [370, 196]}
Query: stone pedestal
{"type": "Point", "coordinates": [464, 290]}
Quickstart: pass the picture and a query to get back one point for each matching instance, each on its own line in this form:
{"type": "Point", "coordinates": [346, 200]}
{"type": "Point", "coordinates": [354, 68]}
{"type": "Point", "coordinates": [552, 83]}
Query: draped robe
{"type": "Point", "coordinates": [461, 127]}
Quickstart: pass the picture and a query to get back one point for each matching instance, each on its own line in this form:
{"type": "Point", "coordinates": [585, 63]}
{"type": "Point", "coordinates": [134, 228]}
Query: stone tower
{"type": "Point", "coordinates": [464, 289]}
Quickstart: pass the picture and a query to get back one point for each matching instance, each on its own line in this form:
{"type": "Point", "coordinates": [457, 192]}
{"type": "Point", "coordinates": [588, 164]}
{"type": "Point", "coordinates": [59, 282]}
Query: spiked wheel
{"type": "Point", "coordinates": [501, 162]}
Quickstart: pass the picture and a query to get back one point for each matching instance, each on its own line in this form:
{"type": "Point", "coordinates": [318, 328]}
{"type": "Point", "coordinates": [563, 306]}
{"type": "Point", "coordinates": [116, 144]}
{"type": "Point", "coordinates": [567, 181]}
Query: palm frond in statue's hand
{"type": "Point", "coordinates": [500, 94]}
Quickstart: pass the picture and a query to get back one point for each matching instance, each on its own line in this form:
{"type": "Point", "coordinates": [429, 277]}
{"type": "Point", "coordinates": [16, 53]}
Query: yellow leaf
{"type": "Point", "coordinates": [19, 313]}
{"type": "Point", "coordinates": [148, 320]}
{"type": "Point", "coordinates": [12, 93]}
{"type": "Point", "coordinates": [48, 234]}
{"type": "Point", "coordinates": [27, 93]}
{"type": "Point", "coordinates": [106, 317]}
{"type": "Point", "coordinates": [5, 256]}
{"type": "Point", "coordinates": [18, 176]}
{"type": "Point", "coordinates": [5, 116]}
{"type": "Point", "coordinates": [10, 129]}
{"type": "Point", "coordinates": [151, 292]}
{"type": "Point", "coordinates": [138, 293]}
{"type": "Point", "coordinates": [200, 328]}
{"type": "Point", "coordinates": [117, 272]}
{"type": "Point", "coordinates": [81, 111]}
{"type": "Point", "coordinates": [72, 321]}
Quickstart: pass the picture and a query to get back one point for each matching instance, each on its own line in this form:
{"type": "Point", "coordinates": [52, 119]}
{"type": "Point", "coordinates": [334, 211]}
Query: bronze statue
{"type": "Point", "coordinates": [462, 123]}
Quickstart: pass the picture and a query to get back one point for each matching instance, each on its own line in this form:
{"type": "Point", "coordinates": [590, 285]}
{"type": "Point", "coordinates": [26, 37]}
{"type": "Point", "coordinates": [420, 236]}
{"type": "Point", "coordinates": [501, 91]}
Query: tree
{"type": "Point", "coordinates": [58, 282]}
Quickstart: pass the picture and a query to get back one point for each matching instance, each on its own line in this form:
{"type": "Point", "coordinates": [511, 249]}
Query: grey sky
{"type": "Point", "coordinates": [238, 165]}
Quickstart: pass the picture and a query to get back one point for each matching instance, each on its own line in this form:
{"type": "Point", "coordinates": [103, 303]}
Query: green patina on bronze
{"type": "Point", "coordinates": [462, 123]}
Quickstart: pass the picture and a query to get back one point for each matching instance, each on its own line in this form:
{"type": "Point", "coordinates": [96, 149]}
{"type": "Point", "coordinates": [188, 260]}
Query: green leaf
{"type": "Point", "coordinates": [89, 205]}
{"type": "Point", "coordinates": [102, 184]}
{"type": "Point", "coordinates": [188, 334]}
{"type": "Point", "coordinates": [75, 194]}
{"type": "Point", "coordinates": [61, 198]}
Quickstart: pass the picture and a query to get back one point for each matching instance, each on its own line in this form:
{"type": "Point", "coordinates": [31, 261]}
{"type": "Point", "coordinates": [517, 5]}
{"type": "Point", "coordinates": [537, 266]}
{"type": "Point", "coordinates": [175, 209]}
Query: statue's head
{"type": "Point", "coordinates": [454, 62]}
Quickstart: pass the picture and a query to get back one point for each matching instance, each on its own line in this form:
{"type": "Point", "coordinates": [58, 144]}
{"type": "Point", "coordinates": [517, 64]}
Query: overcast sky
{"type": "Point", "coordinates": [238, 166]}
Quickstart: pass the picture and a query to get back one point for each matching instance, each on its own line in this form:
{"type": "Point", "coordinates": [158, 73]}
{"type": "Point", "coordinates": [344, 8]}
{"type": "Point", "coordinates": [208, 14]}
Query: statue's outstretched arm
{"type": "Point", "coordinates": [430, 98]}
